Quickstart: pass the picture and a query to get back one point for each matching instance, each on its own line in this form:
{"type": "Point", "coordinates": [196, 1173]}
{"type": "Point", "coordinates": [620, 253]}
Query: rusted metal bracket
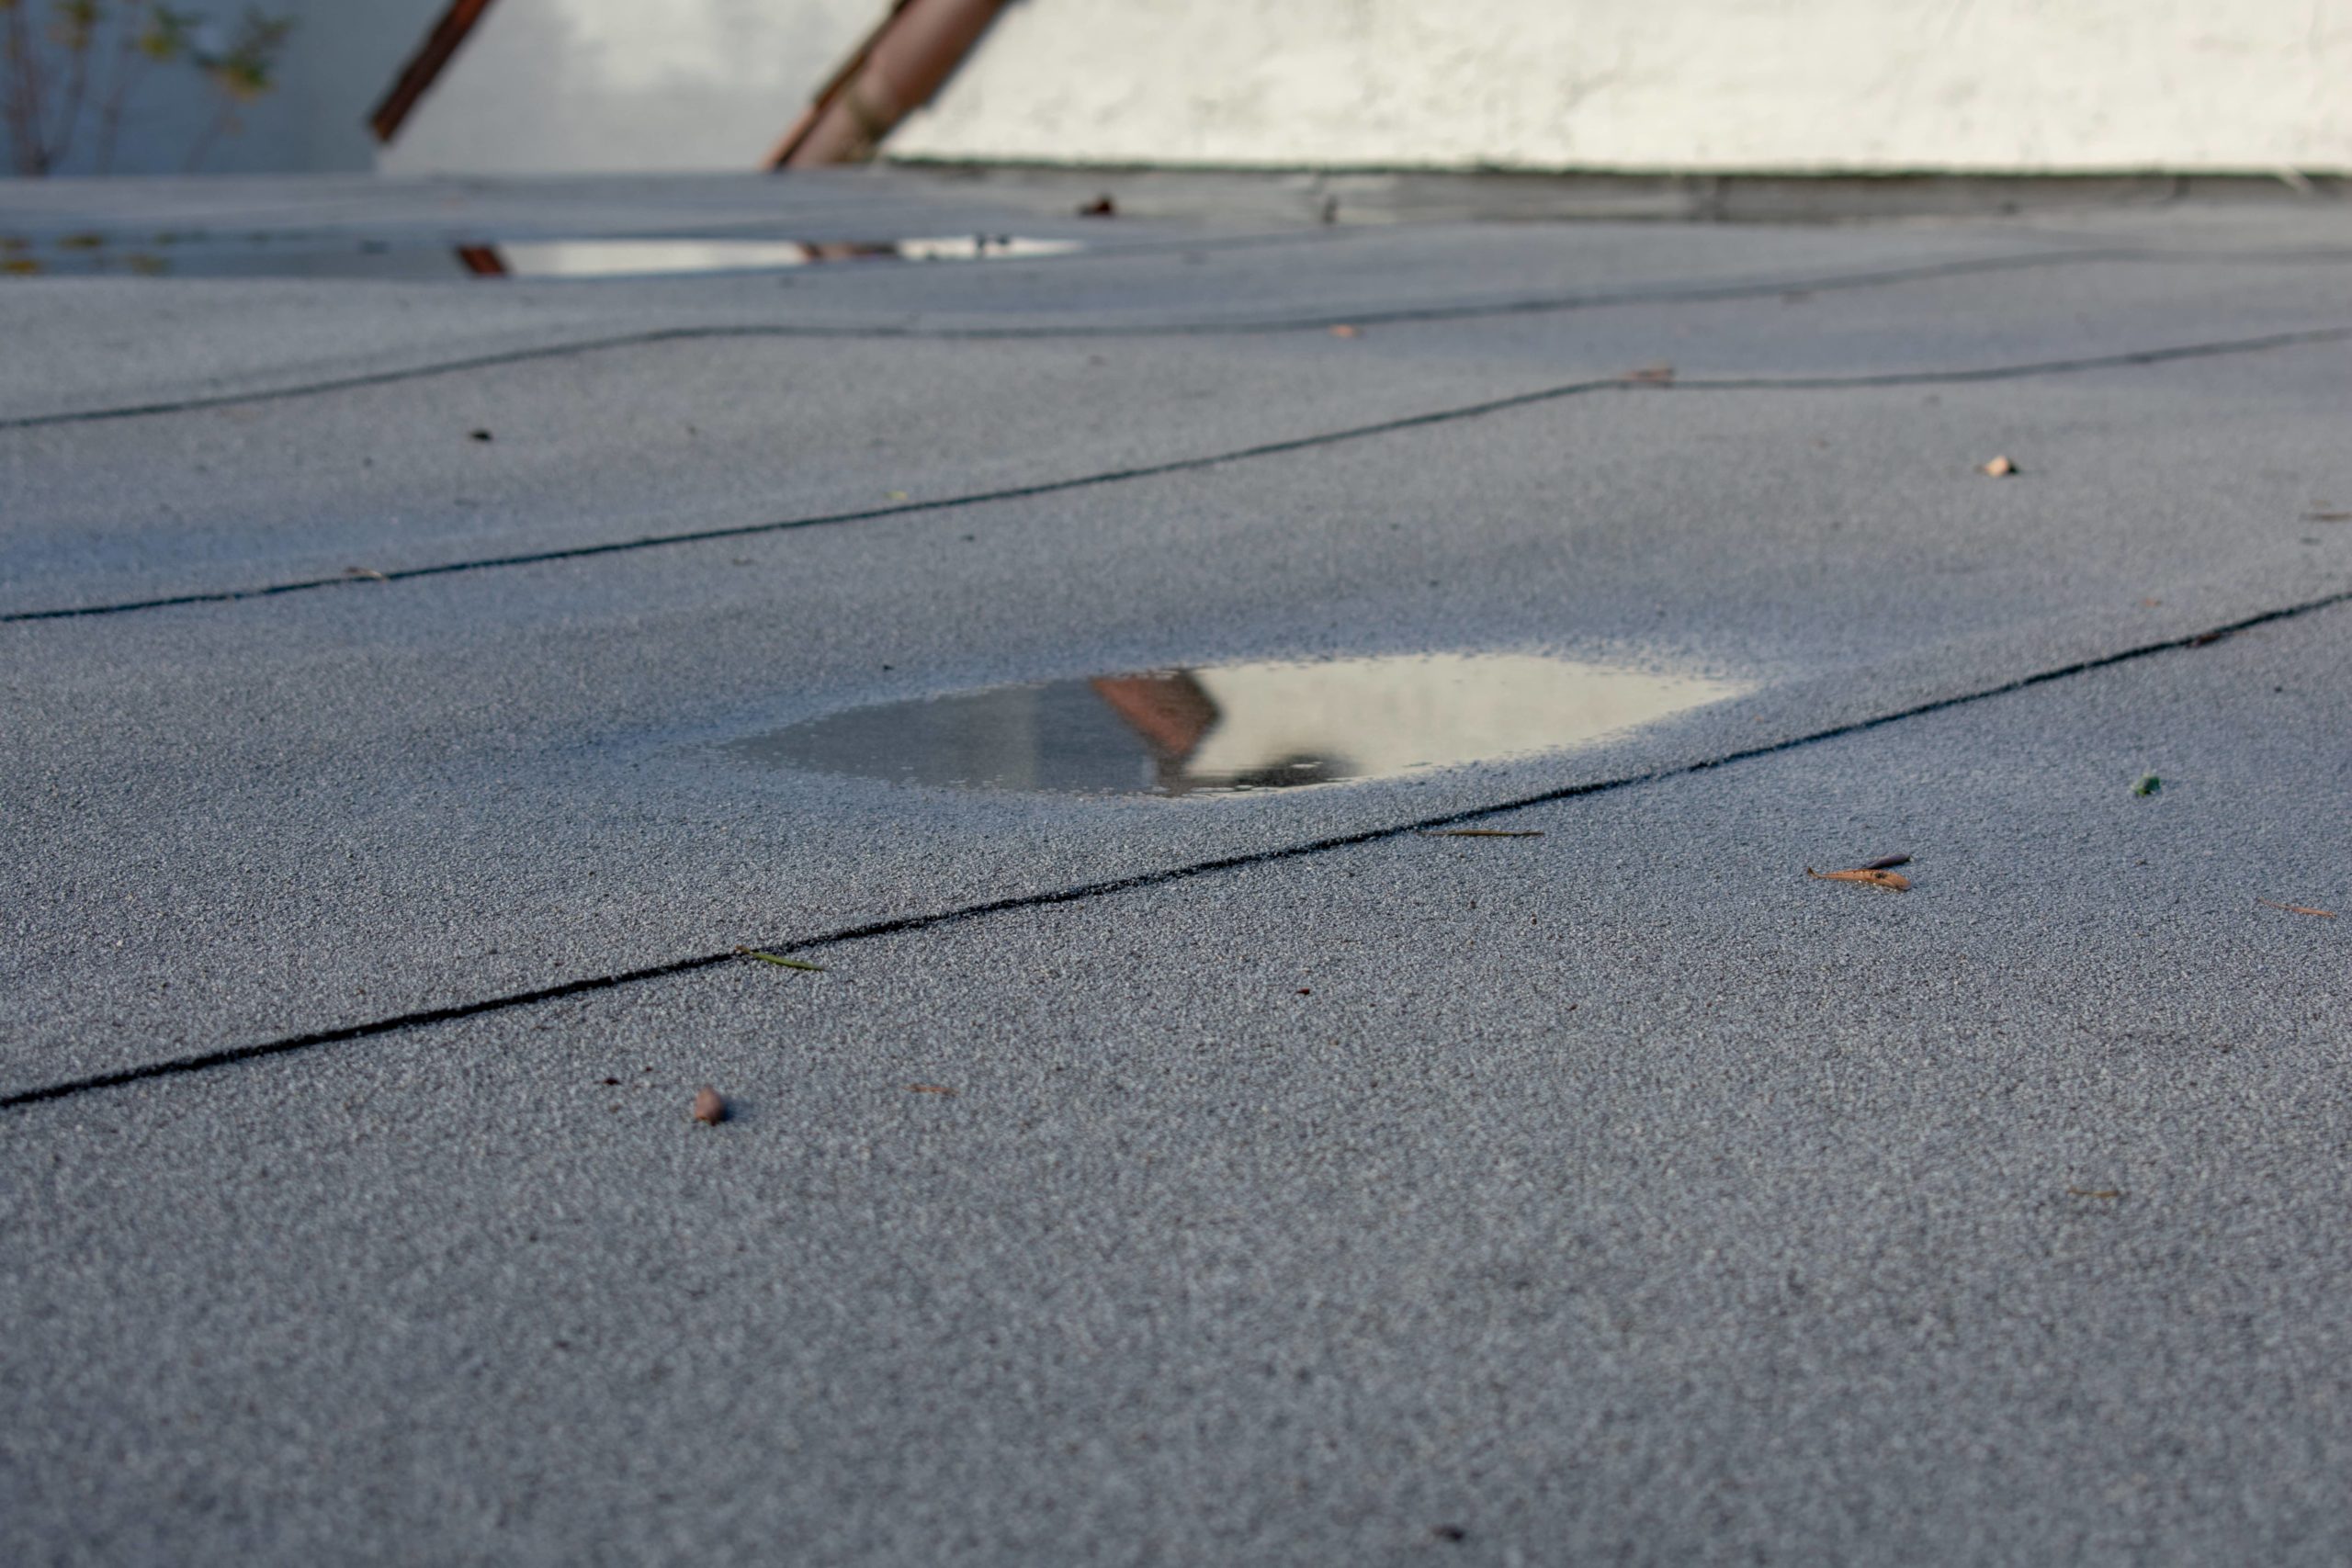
{"type": "Point", "coordinates": [425, 67]}
{"type": "Point", "coordinates": [894, 71]}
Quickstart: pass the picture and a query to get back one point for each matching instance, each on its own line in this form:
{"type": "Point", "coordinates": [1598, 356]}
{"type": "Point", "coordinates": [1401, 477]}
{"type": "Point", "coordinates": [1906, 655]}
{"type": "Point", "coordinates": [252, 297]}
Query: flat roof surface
{"type": "Point", "coordinates": [1265, 1177]}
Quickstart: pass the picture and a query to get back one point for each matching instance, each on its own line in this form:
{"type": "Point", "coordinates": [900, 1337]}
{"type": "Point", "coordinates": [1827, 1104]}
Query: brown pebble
{"type": "Point", "coordinates": [2000, 467]}
{"type": "Point", "coordinates": [709, 1110]}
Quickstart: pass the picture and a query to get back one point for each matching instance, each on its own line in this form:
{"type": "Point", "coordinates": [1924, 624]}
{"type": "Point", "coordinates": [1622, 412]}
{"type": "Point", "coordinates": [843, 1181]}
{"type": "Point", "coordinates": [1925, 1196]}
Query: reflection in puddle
{"type": "Point", "coordinates": [1223, 730]}
{"type": "Point", "coordinates": [642, 258]}
{"type": "Point", "coordinates": [261, 256]}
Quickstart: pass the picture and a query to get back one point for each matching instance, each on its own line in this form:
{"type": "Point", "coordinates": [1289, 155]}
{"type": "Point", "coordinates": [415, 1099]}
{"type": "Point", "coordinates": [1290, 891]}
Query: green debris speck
{"type": "Point", "coordinates": [780, 963]}
{"type": "Point", "coordinates": [2149, 784]}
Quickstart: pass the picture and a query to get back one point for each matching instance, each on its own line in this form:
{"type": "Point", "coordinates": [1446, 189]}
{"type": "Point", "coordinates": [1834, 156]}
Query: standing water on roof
{"type": "Point", "coordinates": [1231, 728]}
{"type": "Point", "coordinates": [313, 256]}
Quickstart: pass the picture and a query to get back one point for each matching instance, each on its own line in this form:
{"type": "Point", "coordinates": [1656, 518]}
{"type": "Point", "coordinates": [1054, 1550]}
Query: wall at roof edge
{"type": "Point", "coordinates": [1694, 86]}
{"type": "Point", "coordinates": [2010, 87]}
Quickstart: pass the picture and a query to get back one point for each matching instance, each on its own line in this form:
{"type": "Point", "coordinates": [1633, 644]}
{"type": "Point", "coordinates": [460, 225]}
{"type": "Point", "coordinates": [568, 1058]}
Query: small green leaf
{"type": "Point", "coordinates": [168, 32]}
{"type": "Point", "coordinates": [780, 963]}
{"type": "Point", "coordinates": [2149, 784]}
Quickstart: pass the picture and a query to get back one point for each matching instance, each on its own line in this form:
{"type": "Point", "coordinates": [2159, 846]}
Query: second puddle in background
{"type": "Point", "coordinates": [261, 256]}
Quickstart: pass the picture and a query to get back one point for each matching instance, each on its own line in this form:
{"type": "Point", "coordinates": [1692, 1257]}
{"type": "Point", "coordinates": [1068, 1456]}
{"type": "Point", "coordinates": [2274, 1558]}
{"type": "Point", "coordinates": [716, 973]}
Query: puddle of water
{"type": "Point", "coordinates": [1233, 728]}
{"type": "Point", "coordinates": [645, 258]}
{"type": "Point", "coordinates": [260, 256]}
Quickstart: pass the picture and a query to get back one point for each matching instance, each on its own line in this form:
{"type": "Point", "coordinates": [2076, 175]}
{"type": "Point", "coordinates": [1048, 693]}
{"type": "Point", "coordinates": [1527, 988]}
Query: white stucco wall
{"type": "Point", "coordinates": [2030, 86]}
{"type": "Point", "coordinates": [563, 85]}
{"type": "Point", "coordinates": [2009, 85]}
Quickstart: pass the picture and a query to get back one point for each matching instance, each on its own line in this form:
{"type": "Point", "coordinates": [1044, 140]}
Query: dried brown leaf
{"type": "Point", "coordinates": [2327, 516]}
{"type": "Point", "coordinates": [2300, 909]}
{"type": "Point", "coordinates": [709, 1110]}
{"type": "Point", "coordinates": [1876, 878]}
{"type": "Point", "coordinates": [2094, 1192]}
{"type": "Point", "coordinates": [930, 1088]}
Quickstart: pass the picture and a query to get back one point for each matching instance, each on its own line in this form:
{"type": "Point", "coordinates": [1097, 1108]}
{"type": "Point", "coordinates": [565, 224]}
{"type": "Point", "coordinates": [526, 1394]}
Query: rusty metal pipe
{"type": "Point", "coordinates": [894, 72]}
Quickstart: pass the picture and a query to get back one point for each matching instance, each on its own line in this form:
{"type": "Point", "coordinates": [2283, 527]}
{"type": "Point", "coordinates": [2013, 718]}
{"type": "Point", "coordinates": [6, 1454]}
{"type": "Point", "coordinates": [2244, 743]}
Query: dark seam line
{"type": "Point", "coordinates": [907, 923]}
{"type": "Point", "coordinates": [1698, 294]}
{"type": "Point", "coordinates": [1243, 454]}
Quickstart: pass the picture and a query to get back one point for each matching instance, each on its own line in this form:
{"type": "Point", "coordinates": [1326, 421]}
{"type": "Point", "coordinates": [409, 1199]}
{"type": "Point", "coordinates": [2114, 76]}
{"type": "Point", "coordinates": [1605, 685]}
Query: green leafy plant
{"type": "Point", "coordinates": [242, 74]}
{"type": "Point", "coordinates": [73, 70]}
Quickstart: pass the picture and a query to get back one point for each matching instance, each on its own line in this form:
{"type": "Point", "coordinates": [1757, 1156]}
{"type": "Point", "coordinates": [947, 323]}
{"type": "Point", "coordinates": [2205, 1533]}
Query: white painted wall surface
{"type": "Point", "coordinates": [1796, 86]}
{"type": "Point", "coordinates": [576, 85]}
